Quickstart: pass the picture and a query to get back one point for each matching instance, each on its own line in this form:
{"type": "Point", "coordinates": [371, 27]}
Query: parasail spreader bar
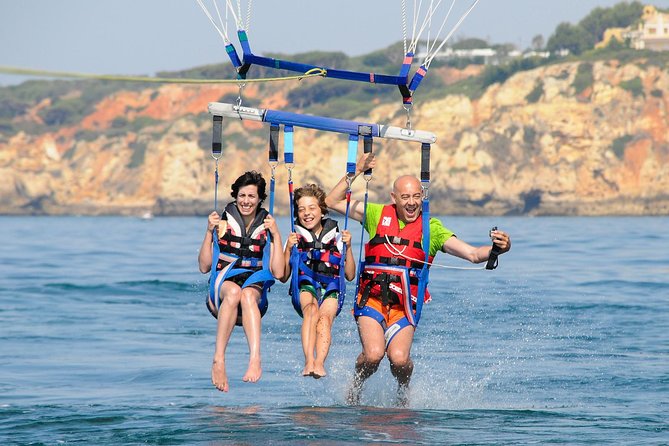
{"type": "Point", "coordinates": [320, 123]}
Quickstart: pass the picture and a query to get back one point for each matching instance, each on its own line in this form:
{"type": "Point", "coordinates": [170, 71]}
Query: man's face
{"type": "Point", "coordinates": [408, 198]}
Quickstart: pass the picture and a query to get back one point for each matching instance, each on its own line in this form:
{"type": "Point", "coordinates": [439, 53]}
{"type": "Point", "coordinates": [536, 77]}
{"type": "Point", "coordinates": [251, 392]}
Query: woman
{"type": "Point", "coordinates": [316, 285]}
{"type": "Point", "coordinates": [242, 276]}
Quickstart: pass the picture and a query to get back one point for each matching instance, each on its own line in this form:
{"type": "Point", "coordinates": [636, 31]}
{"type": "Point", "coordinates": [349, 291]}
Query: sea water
{"type": "Point", "coordinates": [105, 339]}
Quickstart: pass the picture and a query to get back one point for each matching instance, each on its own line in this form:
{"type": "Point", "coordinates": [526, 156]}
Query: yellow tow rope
{"type": "Point", "coordinates": [314, 72]}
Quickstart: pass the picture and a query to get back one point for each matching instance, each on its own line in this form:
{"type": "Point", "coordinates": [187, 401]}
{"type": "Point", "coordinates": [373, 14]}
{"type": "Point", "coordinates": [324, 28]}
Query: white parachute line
{"type": "Point", "coordinates": [231, 8]}
{"type": "Point", "coordinates": [239, 12]}
{"type": "Point", "coordinates": [222, 32]}
{"type": "Point", "coordinates": [426, 21]}
{"type": "Point", "coordinates": [224, 25]}
{"type": "Point", "coordinates": [429, 58]}
{"type": "Point", "coordinates": [248, 14]}
{"type": "Point", "coordinates": [429, 28]}
{"type": "Point", "coordinates": [417, 6]}
{"type": "Point", "coordinates": [441, 28]}
{"type": "Point", "coordinates": [390, 247]}
{"type": "Point", "coordinates": [404, 25]}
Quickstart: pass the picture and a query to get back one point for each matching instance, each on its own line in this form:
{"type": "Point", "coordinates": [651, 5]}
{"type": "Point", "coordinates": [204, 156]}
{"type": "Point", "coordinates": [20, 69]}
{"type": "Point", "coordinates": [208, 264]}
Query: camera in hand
{"type": "Point", "coordinates": [494, 252]}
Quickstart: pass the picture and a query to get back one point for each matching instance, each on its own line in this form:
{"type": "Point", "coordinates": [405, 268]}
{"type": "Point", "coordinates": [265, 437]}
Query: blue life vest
{"type": "Point", "coordinates": [317, 261]}
{"type": "Point", "coordinates": [240, 251]}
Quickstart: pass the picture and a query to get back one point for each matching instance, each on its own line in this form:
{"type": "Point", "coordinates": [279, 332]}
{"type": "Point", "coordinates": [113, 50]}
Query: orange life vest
{"type": "Point", "coordinates": [393, 259]}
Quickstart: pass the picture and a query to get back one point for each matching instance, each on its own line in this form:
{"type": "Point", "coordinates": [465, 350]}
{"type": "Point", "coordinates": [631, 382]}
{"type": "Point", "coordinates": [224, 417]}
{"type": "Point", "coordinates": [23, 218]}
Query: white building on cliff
{"type": "Point", "coordinates": [653, 31]}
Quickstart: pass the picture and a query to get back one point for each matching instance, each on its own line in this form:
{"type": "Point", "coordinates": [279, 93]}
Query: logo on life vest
{"type": "Point", "coordinates": [386, 221]}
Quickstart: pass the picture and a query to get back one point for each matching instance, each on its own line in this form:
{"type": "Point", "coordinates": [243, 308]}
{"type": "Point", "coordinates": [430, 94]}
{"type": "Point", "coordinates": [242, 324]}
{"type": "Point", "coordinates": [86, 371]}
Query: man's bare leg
{"type": "Point", "coordinates": [373, 349]}
{"type": "Point", "coordinates": [401, 365]}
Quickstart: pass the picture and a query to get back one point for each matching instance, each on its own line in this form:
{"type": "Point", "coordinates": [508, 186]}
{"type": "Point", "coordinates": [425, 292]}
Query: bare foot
{"type": "Point", "coordinates": [254, 372]}
{"type": "Point", "coordinates": [308, 369]}
{"type": "Point", "coordinates": [319, 371]}
{"type": "Point", "coordinates": [218, 376]}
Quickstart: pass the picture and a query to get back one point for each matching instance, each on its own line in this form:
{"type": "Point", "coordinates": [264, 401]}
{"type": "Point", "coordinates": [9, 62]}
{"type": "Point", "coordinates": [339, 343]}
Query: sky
{"type": "Point", "coordinates": [142, 37]}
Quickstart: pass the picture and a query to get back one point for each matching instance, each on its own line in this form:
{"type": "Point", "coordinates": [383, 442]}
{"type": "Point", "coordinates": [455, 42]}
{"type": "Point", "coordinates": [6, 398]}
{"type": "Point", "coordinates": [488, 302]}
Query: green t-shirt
{"type": "Point", "coordinates": [438, 233]}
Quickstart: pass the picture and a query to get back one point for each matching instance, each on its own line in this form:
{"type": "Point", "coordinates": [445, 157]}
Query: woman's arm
{"type": "Point", "coordinates": [292, 241]}
{"type": "Point", "coordinates": [206, 251]}
{"type": "Point", "coordinates": [277, 262]}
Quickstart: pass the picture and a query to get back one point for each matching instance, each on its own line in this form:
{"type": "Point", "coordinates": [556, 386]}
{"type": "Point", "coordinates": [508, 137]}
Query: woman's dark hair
{"type": "Point", "coordinates": [310, 190]}
{"type": "Point", "coordinates": [247, 179]}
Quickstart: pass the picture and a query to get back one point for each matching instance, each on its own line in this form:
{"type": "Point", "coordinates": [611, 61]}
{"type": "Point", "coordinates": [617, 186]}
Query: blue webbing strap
{"type": "Point", "coordinates": [417, 78]}
{"type": "Point", "coordinates": [350, 172]}
{"type": "Point", "coordinates": [289, 160]}
{"type": "Point", "coordinates": [404, 77]}
{"type": "Point", "coordinates": [232, 54]}
{"type": "Point", "coordinates": [368, 143]}
{"type": "Point", "coordinates": [423, 277]}
{"type": "Point", "coordinates": [273, 157]}
{"type": "Point", "coordinates": [216, 151]}
{"type": "Point", "coordinates": [298, 67]}
{"type": "Point", "coordinates": [250, 59]}
{"type": "Point", "coordinates": [246, 49]}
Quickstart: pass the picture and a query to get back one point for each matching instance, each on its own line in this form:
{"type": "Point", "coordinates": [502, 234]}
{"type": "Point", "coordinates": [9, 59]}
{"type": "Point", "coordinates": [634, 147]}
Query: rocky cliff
{"type": "Point", "coordinates": [586, 138]}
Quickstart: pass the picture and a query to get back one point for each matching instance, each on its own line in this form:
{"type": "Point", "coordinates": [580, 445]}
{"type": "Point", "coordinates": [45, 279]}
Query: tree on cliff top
{"type": "Point", "coordinates": [590, 30]}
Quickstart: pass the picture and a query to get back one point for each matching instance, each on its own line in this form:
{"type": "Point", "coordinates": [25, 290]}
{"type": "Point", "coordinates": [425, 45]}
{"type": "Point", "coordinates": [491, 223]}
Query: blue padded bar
{"type": "Point", "coordinates": [335, 74]}
{"type": "Point", "coordinates": [288, 144]}
{"type": "Point", "coordinates": [406, 66]}
{"type": "Point", "coordinates": [320, 123]}
{"type": "Point", "coordinates": [232, 54]}
{"type": "Point", "coordinates": [244, 41]}
{"type": "Point", "coordinates": [417, 78]}
{"type": "Point", "coordinates": [277, 63]}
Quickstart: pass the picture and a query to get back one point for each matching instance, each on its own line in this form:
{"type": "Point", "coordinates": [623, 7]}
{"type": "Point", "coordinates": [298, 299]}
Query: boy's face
{"type": "Point", "coordinates": [309, 213]}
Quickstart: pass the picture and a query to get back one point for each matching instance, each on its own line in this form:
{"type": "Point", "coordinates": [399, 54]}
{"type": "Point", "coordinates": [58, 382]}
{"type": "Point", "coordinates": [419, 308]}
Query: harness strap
{"type": "Point", "coordinates": [395, 240]}
{"type": "Point", "coordinates": [384, 280]}
{"type": "Point", "coordinates": [423, 276]}
{"type": "Point", "coordinates": [318, 245]}
{"type": "Point", "coordinates": [394, 261]}
{"type": "Point", "coordinates": [244, 240]}
{"type": "Point", "coordinates": [273, 157]}
{"type": "Point", "coordinates": [368, 143]}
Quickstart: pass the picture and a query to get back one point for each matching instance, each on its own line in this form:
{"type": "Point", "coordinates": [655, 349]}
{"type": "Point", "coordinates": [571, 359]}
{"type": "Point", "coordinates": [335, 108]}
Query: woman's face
{"type": "Point", "coordinates": [309, 213]}
{"type": "Point", "coordinates": [247, 200]}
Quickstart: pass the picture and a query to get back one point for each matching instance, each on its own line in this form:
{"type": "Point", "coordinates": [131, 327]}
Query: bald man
{"type": "Point", "coordinates": [388, 285]}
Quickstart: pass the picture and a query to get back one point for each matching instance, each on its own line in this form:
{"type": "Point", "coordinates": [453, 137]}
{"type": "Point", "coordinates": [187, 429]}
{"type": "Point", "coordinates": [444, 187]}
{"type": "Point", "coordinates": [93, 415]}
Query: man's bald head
{"type": "Point", "coordinates": [407, 196]}
{"type": "Point", "coordinates": [405, 181]}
